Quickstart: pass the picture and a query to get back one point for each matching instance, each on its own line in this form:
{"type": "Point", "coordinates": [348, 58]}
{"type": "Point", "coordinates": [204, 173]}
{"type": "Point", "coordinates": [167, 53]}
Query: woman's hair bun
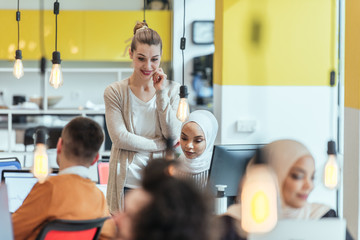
{"type": "Point", "coordinates": [140, 25]}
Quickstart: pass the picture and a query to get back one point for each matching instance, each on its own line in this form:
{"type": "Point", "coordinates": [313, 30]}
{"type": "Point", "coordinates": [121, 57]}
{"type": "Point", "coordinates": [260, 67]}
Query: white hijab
{"type": "Point", "coordinates": [209, 125]}
{"type": "Point", "coordinates": [281, 156]}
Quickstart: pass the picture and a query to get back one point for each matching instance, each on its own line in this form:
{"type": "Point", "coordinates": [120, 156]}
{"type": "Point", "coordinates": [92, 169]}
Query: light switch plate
{"type": "Point", "coordinates": [246, 126]}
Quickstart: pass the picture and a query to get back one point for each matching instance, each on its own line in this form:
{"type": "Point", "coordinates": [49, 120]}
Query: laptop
{"type": "Point", "coordinates": [6, 229]}
{"type": "Point", "coordinates": [327, 228]}
{"type": "Point", "coordinates": [19, 184]}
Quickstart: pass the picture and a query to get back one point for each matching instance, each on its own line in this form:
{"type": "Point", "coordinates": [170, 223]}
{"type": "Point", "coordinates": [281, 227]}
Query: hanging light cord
{"type": "Point", "coordinates": [332, 73]}
{"type": "Point", "coordinates": [144, 11]}
{"type": "Point", "coordinates": [184, 22]}
{"type": "Point", "coordinates": [18, 22]}
{"type": "Point", "coordinates": [182, 47]}
{"type": "Point", "coordinates": [42, 39]}
{"type": "Point", "coordinates": [56, 12]}
{"type": "Point", "coordinates": [332, 105]}
{"type": "Point", "coordinates": [41, 24]}
{"type": "Point", "coordinates": [56, 32]}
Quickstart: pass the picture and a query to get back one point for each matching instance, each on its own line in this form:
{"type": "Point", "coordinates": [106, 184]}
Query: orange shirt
{"type": "Point", "coordinates": [67, 196]}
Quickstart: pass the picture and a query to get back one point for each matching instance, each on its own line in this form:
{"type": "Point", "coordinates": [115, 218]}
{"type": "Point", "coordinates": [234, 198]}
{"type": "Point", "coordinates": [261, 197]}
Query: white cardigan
{"type": "Point", "coordinates": [125, 143]}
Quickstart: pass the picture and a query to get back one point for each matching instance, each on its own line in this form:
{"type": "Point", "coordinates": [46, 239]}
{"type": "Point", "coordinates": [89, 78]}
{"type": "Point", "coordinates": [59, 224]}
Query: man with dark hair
{"type": "Point", "coordinates": [71, 195]}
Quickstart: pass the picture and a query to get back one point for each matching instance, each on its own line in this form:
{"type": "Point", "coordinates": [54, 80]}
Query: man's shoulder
{"type": "Point", "coordinates": [68, 179]}
{"type": "Point", "coordinates": [72, 183]}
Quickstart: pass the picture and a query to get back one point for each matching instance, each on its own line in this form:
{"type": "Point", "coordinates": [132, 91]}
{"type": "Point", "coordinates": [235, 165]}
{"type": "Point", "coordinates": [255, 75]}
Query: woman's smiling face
{"type": "Point", "coordinates": [299, 182]}
{"type": "Point", "coordinates": [146, 59]}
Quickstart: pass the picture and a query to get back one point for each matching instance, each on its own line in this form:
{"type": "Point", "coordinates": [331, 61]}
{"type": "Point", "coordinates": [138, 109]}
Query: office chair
{"type": "Point", "coordinates": [103, 171]}
{"type": "Point", "coordinates": [9, 163]}
{"type": "Point", "coordinates": [72, 229]}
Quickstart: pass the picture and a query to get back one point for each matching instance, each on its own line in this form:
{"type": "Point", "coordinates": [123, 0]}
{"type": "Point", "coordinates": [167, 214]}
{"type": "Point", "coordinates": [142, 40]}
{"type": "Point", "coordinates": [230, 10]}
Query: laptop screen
{"type": "Point", "coordinates": [19, 184]}
{"type": "Point", "coordinates": [290, 229]}
{"type": "Point", "coordinates": [6, 229]}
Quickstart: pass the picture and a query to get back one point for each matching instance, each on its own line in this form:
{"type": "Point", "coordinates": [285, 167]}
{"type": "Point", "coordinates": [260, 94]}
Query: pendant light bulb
{"type": "Point", "coordinates": [183, 111]}
{"type": "Point", "coordinates": [56, 77]}
{"type": "Point", "coordinates": [332, 169]}
{"type": "Point", "coordinates": [41, 163]}
{"type": "Point", "coordinates": [259, 200]}
{"type": "Point", "coordinates": [18, 69]}
{"type": "Point", "coordinates": [18, 65]}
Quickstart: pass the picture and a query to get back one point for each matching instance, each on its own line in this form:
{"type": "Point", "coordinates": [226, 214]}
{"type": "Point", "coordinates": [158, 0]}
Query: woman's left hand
{"type": "Point", "coordinates": [159, 77]}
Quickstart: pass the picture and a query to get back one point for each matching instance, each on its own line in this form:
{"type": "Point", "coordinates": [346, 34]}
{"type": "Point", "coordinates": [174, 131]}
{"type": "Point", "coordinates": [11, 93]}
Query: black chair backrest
{"type": "Point", "coordinates": [72, 226]}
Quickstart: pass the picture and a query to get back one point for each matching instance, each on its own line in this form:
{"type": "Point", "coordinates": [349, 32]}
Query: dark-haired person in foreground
{"type": "Point", "coordinates": [164, 208]}
{"type": "Point", "coordinates": [71, 195]}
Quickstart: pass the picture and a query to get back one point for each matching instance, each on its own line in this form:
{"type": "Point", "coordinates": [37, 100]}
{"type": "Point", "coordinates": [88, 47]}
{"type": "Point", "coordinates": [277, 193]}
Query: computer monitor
{"type": "Point", "coordinates": [228, 165]}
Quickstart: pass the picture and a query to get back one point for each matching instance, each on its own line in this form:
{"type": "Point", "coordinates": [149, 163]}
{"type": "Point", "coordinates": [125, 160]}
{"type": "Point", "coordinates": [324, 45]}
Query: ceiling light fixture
{"type": "Point", "coordinates": [183, 111]}
{"type": "Point", "coordinates": [259, 197]}
{"type": "Point", "coordinates": [56, 77]}
{"type": "Point", "coordinates": [41, 167]}
{"type": "Point", "coordinates": [332, 175]}
{"type": "Point", "coordinates": [332, 169]}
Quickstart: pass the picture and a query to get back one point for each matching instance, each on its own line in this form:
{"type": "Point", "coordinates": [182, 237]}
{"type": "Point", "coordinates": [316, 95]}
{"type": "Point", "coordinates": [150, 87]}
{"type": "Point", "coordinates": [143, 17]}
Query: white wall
{"type": "Point", "coordinates": [195, 10]}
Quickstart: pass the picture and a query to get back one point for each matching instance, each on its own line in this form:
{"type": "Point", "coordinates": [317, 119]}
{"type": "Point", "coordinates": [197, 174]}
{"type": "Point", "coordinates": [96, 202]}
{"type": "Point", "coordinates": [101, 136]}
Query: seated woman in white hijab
{"type": "Point", "coordinates": [294, 167]}
{"type": "Point", "coordinates": [197, 139]}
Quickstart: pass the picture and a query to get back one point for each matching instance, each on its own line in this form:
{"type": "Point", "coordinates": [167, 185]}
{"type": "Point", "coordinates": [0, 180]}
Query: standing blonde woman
{"type": "Point", "coordinates": [140, 115]}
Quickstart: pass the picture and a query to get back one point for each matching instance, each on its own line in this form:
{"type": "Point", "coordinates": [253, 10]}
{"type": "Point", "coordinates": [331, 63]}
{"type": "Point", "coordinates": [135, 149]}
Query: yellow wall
{"type": "Point", "coordinates": [275, 42]}
{"type": "Point", "coordinates": [352, 54]}
{"type": "Point", "coordinates": [82, 35]}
